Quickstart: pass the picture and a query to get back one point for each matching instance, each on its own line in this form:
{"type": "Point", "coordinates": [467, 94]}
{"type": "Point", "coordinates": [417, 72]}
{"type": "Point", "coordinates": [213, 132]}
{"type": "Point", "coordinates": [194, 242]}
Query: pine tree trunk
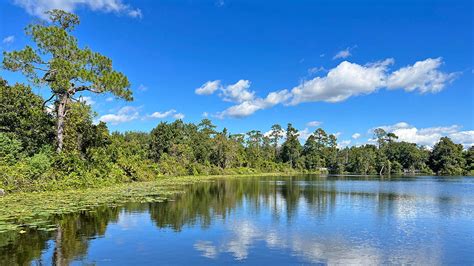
{"type": "Point", "coordinates": [61, 118]}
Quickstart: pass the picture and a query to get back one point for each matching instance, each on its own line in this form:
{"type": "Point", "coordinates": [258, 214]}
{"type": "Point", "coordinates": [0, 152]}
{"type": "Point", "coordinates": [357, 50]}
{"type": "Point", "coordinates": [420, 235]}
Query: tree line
{"type": "Point", "coordinates": [53, 143]}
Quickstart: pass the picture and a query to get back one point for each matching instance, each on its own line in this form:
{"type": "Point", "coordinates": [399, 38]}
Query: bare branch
{"type": "Point", "coordinates": [50, 98]}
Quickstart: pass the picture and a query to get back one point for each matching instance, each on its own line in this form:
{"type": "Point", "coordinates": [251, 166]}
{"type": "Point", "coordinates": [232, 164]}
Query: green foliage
{"type": "Point", "coordinates": [23, 116]}
{"type": "Point", "coordinates": [10, 149]}
{"type": "Point", "coordinates": [469, 157]}
{"type": "Point", "coordinates": [92, 157]}
{"type": "Point", "coordinates": [362, 160]}
{"type": "Point", "coordinates": [447, 158]}
{"type": "Point", "coordinates": [291, 148]}
{"type": "Point", "coordinates": [60, 64]}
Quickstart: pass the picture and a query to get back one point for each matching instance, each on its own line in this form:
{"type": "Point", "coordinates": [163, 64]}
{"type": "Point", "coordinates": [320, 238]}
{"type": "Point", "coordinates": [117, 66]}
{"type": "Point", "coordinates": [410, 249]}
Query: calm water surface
{"type": "Point", "coordinates": [275, 220]}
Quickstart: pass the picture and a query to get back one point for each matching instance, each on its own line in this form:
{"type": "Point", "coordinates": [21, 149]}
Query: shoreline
{"type": "Point", "coordinates": [37, 210]}
{"type": "Point", "coordinates": [22, 211]}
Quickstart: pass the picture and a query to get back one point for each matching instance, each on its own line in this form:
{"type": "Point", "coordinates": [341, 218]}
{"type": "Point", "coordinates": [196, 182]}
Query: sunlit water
{"type": "Point", "coordinates": [274, 220]}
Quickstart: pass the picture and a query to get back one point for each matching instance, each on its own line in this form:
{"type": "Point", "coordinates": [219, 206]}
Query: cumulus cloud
{"type": "Point", "coordinates": [356, 135]}
{"type": "Point", "coordinates": [314, 124]}
{"type": "Point", "coordinates": [125, 114]}
{"type": "Point", "coordinates": [238, 92]}
{"type": "Point", "coordinates": [39, 7]}
{"type": "Point", "coordinates": [208, 88]}
{"type": "Point", "coordinates": [339, 84]}
{"type": "Point", "coordinates": [423, 76]}
{"type": "Point", "coordinates": [343, 54]}
{"type": "Point", "coordinates": [429, 136]}
{"type": "Point", "coordinates": [170, 113]}
{"type": "Point", "coordinates": [345, 80]}
{"type": "Point", "coordinates": [8, 40]}
{"type": "Point", "coordinates": [249, 107]}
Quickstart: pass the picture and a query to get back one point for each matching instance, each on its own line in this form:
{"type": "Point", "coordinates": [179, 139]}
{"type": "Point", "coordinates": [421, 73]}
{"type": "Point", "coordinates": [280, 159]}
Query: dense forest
{"type": "Point", "coordinates": [58, 146]}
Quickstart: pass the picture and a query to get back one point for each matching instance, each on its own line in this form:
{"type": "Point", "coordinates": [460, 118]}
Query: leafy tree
{"type": "Point", "coordinates": [203, 140]}
{"type": "Point", "coordinates": [10, 149]}
{"type": "Point", "coordinates": [80, 133]}
{"type": "Point", "coordinates": [469, 157]}
{"type": "Point", "coordinates": [312, 154]}
{"type": "Point", "coordinates": [291, 148]}
{"type": "Point", "coordinates": [409, 155]}
{"type": "Point", "coordinates": [253, 148]}
{"type": "Point", "coordinates": [275, 137]}
{"type": "Point", "coordinates": [447, 158]}
{"type": "Point", "coordinates": [321, 138]}
{"type": "Point", "coordinates": [362, 159]}
{"type": "Point", "coordinates": [330, 153]}
{"type": "Point", "coordinates": [383, 137]}
{"type": "Point", "coordinates": [164, 137]}
{"type": "Point", "coordinates": [23, 116]}
{"type": "Point", "coordinates": [224, 150]}
{"type": "Point", "coordinates": [59, 63]}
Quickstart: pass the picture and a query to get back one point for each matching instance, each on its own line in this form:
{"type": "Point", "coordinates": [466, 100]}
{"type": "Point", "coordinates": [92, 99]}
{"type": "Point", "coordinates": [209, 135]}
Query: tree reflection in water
{"type": "Point", "coordinates": [286, 198]}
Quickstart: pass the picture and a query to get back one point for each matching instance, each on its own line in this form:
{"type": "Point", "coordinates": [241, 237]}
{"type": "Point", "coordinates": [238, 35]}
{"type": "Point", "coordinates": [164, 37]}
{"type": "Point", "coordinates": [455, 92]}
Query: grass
{"type": "Point", "coordinates": [37, 210]}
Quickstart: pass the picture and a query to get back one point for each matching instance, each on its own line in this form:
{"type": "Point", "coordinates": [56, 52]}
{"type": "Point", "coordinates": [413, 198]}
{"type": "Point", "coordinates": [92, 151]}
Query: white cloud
{"type": "Point", "coordinates": [125, 114]}
{"type": "Point", "coordinates": [464, 137]}
{"type": "Point", "coordinates": [356, 135]}
{"type": "Point", "coordinates": [142, 88]}
{"type": "Point", "coordinates": [178, 116]}
{"type": "Point", "coordinates": [345, 80]}
{"type": "Point", "coordinates": [314, 124]}
{"type": "Point", "coordinates": [249, 107]}
{"type": "Point", "coordinates": [8, 40]}
{"type": "Point", "coordinates": [304, 134]}
{"type": "Point", "coordinates": [340, 83]}
{"type": "Point", "coordinates": [429, 136]}
{"type": "Point", "coordinates": [130, 113]}
{"type": "Point", "coordinates": [39, 7]}
{"type": "Point", "coordinates": [109, 99]}
{"type": "Point", "coordinates": [169, 113]}
{"type": "Point", "coordinates": [88, 100]}
{"type": "Point", "coordinates": [205, 114]}
{"type": "Point", "coordinates": [208, 88]}
{"type": "Point", "coordinates": [423, 76]}
{"type": "Point", "coordinates": [343, 143]}
{"type": "Point", "coordinates": [238, 92]}
{"type": "Point", "coordinates": [315, 70]}
{"type": "Point", "coordinates": [343, 54]}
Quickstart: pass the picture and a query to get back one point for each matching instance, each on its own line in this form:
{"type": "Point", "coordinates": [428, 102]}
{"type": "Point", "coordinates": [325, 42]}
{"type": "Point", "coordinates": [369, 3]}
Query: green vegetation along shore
{"type": "Point", "coordinates": [53, 143]}
{"type": "Point", "coordinates": [20, 212]}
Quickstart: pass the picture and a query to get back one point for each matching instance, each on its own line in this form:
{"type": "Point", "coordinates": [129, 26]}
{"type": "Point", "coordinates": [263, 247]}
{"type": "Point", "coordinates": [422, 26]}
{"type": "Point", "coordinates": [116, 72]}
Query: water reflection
{"type": "Point", "coordinates": [306, 219]}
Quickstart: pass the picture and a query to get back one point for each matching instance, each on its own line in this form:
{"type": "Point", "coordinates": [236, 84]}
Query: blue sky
{"type": "Point", "coordinates": [349, 65]}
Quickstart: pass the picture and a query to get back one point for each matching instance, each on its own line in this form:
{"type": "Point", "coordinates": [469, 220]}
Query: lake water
{"type": "Point", "coordinates": [273, 220]}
